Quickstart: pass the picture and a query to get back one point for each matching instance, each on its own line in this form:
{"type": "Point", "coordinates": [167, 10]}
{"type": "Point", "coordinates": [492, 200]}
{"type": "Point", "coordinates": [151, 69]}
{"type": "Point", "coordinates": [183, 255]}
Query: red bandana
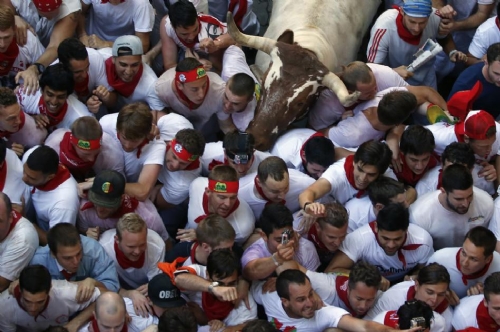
{"type": "Point", "coordinates": [349, 173]}
{"type": "Point", "coordinates": [408, 177]}
{"type": "Point", "coordinates": [129, 205]}
{"type": "Point", "coordinates": [301, 152]}
{"type": "Point", "coordinates": [205, 209]}
{"type": "Point", "coordinates": [401, 257]}
{"type": "Point", "coordinates": [242, 9]}
{"type": "Point", "coordinates": [391, 319]}
{"type": "Point", "coordinates": [67, 275]}
{"type": "Point", "coordinates": [459, 131]}
{"type": "Point", "coordinates": [313, 236]}
{"type": "Point", "coordinates": [8, 57]}
{"type": "Point", "coordinates": [69, 157]}
{"type": "Point", "coordinates": [93, 322]}
{"type": "Point", "coordinates": [61, 176]}
{"type": "Point", "coordinates": [183, 97]}
{"type": "Point", "coordinates": [410, 295]}
{"type": "Point", "coordinates": [214, 163]}
{"type": "Point", "coordinates": [193, 253]}
{"type": "Point", "coordinates": [126, 263]}
{"type": "Point", "coordinates": [476, 275]}
{"type": "Point", "coordinates": [484, 320]}
{"type": "Point", "coordinates": [341, 286]}
{"type": "Point", "coordinates": [403, 32]}
{"type": "Point", "coordinates": [139, 148]}
{"type": "Point", "coordinates": [126, 89]}
{"type": "Point", "coordinates": [497, 23]}
{"type": "Point", "coordinates": [215, 309]}
{"type": "Point", "coordinates": [17, 295]}
{"type": "Point", "coordinates": [15, 219]}
{"type": "Point", "coordinates": [194, 165]}
{"type": "Point", "coordinates": [82, 88]}
{"type": "Point", "coordinates": [54, 119]}
{"type": "Point", "coordinates": [5, 133]}
{"type": "Point", "coordinates": [3, 174]}
{"type": "Point", "coordinates": [261, 193]}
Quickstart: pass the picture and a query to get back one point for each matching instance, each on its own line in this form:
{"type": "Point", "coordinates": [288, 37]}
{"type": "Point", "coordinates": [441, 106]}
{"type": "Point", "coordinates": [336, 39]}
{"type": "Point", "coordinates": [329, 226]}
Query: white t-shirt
{"type": "Point", "coordinates": [448, 258]}
{"type": "Point", "coordinates": [495, 219]}
{"type": "Point", "coordinates": [76, 109]}
{"type": "Point", "coordinates": [327, 110]}
{"type": "Point", "coordinates": [448, 228]}
{"type": "Point", "coordinates": [362, 245]}
{"type": "Point", "coordinates": [170, 124]}
{"type": "Point", "coordinates": [14, 187]}
{"type": "Point", "coordinates": [17, 249]}
{"type": "Point", "coordinates": [215, 152]}
{"type": "Point", "coordinates": [61, 306]}
{"type": "Point", "coordinates": [327, 316]}
{"type": "Point", "coordinates": [29, 135]}
{"type": "Point", "coordinates": [132, 277]}
{"type": "Point", "coordinates": [110, 157]}
{"type": "Point", "coordinates": [128, 17]}
{"type": "Point", "coordinates": [289, 145]}
{"type": "Point", "coordinates": [396, 296]}
{"type": "Point", "coordinates": [43, 26]}
{"type": "Point", "coordinates": [176, 184]}
{"type": "Point", "coordinates": [466, 313]}
{"type": "Point", "coordinates": [486, 35]}
{"type": "Point", "coordinates": [153, 153]}
{"type": "Point", "coordinates": [297, 184]}
{"type": "Point", "coordinates": [242, 219]}
{"type": "Point", "coordinates": [360, 213]}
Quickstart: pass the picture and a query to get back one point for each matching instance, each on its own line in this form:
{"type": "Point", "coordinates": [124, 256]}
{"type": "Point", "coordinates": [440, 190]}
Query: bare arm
{"type": "Point", "coordinates": [339, 262]}
{"type": "Point", "coordinates": [473, 21]}
{"type": "Point", "coordinates": [315, 191]}
{"type": "Point", "coordinates": [341, 153]}
{"type": "Point", "coordinates": [144, 37]}
{"type": "Point", "coordinates": [349, 323]}
{"type": "Point", "coordinates": [83, 317]}
{"type": "Point", "coordinates": [260, 268]}
{"type": "Point", "coordinates": [168, 47]}
{"type": "Point", "coordinates": [188, 281]}
{"type": "Point", "coordinates": [426, 93]}
{"type": "Point", "coordinates": [146, 182]}
{"type": "Point", "coordinates": [80, 27]}
{"type": "Point", "coordinates": [472, 60]}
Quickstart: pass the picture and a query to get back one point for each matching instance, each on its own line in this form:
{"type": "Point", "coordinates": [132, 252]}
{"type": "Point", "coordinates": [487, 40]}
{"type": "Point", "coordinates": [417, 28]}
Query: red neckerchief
{"type": "Point", "coordinates": [82, 88]}
{"type": "Point", "coordinates": [242, 9]}
{"type": "Point", "coordinates": [3, 174]}
{"type": "Point", "coordinates": [193, 253]}
{"type": "Point", "coordinates": [129, 205]}
{"type": "Point", "coordinates": [62, 175]}
{"type": "Point", "coordinates": [22, 117]}
{"type": "Point", "coordinates": [214, 308]}
{"type": "Point", "coordinates": [93, 322]}
{"type": "Point", "coordinates": [341, 287]}
{"type": "Point", "coordinates": [15, 219]}
{"type": "Point", "coordinates": [484, 320]}
{"type": "Point", "coordinates": [205, 209]}
{"type": "Point", "coordinates": [67, 275]}
{"type": "Point", "coordinates": [193, 165]}
{"type": "Point", "coordinates": [410, 295]}
{"type": "Point", "coordinates": [407, 176]}
{"type": "Point", "coordinates": [313, 236]}
{"type": "Point", "coordinates": [17, 295]}
{"type": "Point", "coordinates": [261, 193]}
{"type": "Point", "coordinates": [196, 40]}
{"type": "Point", "coordinates": [54, 119]}
{"type": "Point", "coordinates": [459, 127]}
{"type": "Point", "coordinates": [126, 263]}
{"type": "Point", "coordinates": [497, 23]}
{"type": "Point", "coordinates": [139, 148]}
{"type": "Point", "coordinates": [391, 319]}
{"type": "Point", "coordinates": [301, 152]}
{"type": "Point", "coordinates": [8, 57]}
{"type": "Point", "coordinates": [124, 88]}
{"type": "Point", "coordinates": [476, 275]}
{"type": "Point", "coordinates": [349, 173]}
{"type": "Point", "coordinates": [214, 163]}
{"type": "Point", "coordinates": [401, 257]}
{"type": "Point", "coordinates": [440, 179]}
{"type": "Point", "coordinates": [183, 97]}
{"type": "Point", "coordinates": [69, 157]}
{"type": "Point", "coordinates": [403, 32]}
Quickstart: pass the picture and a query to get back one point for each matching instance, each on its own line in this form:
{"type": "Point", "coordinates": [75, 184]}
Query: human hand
{"type": "Point", "coordinates": [347, 114]}
{"type": "Point", "coordinates": [208, 45]}
{"type": "Point", "coordinates": [384, 284]}
{"type": "Point", "coordinates": [447, 12]}
{"type": "Point", "coordinates": [83, 187]}
{"type": "Point", "coordinates": [315, 208]}
{"type": "Point", "coordinates": [186, 235]}
{"type": "Point", "coordinates": [93, 233]}
{"type": "Point", "coordinates": [93, 104]}
{"type": "Point", "coordinates": [476, 289]}
{"type": "Point", "coordinates": [452, 297]}
{"type": "Point", "coordinates": [101, 92]}
{"type": "Point", "coordinates": [18, 149]}
{"type": "Point", "coordinates": [225, 293]}
{"type": "Point", "coordinates": [41, 120]}
{"type": "Point", "coordinates": [22, 28]}
{"type": "Point", "coordinates": [216, 325]}
{"type": "Point", "coordinates": [285, 252]}
{"type": "Point", "coordinates": [488, 171]}
{"type": "Point", "coordinates": [85, 40]}
{"type": "Point", "coordinates": [269, 286]}
{"type": "Point", "coordinates": [30, 79]}
{"type": "Point", "coordinates": [143, 289]}
{"type": "Point", "coordinates": [96, 42]}
{"type": "Point", "coordinates": [141, 303]}
{"type": "Point", "coordinates": [85, 290]}
{"type": "Point", "coordinates": [403, 72]}
{"type": "Point", "coordinates": [458, 56]}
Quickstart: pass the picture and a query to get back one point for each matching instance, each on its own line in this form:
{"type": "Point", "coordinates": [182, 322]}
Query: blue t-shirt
{"type": "Point", "coordinates": [488, 99]}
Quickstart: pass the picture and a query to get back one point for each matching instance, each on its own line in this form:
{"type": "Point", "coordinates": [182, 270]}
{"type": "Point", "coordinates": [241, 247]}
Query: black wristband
{"type": "Point", "coordinates": [305, 205]}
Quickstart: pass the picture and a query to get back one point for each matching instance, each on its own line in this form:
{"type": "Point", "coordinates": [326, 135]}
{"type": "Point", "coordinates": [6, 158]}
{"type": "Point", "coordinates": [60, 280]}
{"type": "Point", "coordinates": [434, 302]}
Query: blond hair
{"type": "Point", "coordinates": [130, 222]}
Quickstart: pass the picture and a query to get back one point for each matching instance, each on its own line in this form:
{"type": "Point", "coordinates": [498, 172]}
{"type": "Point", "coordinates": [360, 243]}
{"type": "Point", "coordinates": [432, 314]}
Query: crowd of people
{"type": "Point", "coordinates": [132, 199]}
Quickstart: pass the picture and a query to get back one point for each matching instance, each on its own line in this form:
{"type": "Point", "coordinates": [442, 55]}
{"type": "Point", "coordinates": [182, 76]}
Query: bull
{"type": "Point", "coordinates": [318, 37]}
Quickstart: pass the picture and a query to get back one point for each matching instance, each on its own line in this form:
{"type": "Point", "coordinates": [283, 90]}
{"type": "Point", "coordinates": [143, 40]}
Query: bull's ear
{"type": "Point", "coordinates": [286, 37]}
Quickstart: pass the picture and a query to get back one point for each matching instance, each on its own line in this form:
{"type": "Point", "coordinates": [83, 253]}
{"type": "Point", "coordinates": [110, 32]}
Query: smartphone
{"type": "Point", "coordinates": [418, 322]}
{"type": "Point", "coordinates": [285, 236]}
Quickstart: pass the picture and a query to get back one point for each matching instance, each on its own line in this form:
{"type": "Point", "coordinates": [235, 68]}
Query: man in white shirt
{"type": "Point", "coordinates": [278, 244]}
{"type": "Point", "coordinates": [487, 34]}
{"type": "Point", "coordinates": [239, 98]}
{"type": "Point", "coordinates": [470, 264]}
{"type": "Point", "coordinates": [390, 243]}
{"type": "Point", "coordinates": [136, 252]}
{"type": "Point", "coordinates": [39, 302]}
{"type": "Point", "coordinates": [54, 191]}
{"type": "Point", "coordinates": [480, 311]}
{"type": "Point", "coordinates": [450, 212]}
{"type": "Point", "coordinates": [18, 242]}
{"type": "Point", "coordinates": [273, 183]}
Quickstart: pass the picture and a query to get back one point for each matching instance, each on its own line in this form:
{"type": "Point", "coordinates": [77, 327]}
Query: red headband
{"type": "Point", "coordinates": [190, 76]}
{"type": "Point", "coordinates": [91, 144]}
{"type": "Point", "coordinates": [181, 152]}
{"type": "Point", "coordinates": [225, 187]}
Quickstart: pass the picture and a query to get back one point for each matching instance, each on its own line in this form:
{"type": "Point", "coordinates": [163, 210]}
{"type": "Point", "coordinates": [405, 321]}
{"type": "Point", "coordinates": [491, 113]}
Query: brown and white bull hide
{"type": "Point", "coordinates": [322, 35]}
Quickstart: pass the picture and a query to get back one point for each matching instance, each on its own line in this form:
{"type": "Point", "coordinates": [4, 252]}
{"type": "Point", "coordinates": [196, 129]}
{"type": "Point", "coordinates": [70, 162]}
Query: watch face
{"type": "Point", "coordinates": [215, 284]}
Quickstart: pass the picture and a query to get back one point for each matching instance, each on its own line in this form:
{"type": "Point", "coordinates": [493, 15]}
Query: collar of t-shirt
{"type": "Point", "coordinates": [61, 176]}
{"type": "Point", "coordinates": [8, 57]}
{"type": "Point", "coordinates": [261, 193]}
{"type": "Point", "coordinates": [349, 173]}
{"type": "Point", "coordinates": [126, 89]}
{"type": "Point", "coordinates": [17, 295]}
{"type": "Point", "coordinates": [410, 295]}
{"type": "Point", "coordinates": [401, 256]}
{"type": "Point", "coordinates": [54, 119]}
{"type": "Point", "coordinates": [95, 327]}
{"type": "Point", "coordinates": [126, 263]}
{"type": "Point", "coordinates": [22, 118]}
{"type": "Point", "coordinates": [476, 275]}
{"type": "Point", "coordinates": [484, 320]}
{"type": "Point", "coordinates": [207, 212]}
{"type": "Point", "coordinates": [403, 32]}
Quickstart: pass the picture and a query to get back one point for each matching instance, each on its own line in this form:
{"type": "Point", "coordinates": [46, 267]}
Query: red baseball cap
{"type": "Point", "coordinates": [476, 125]}
{"type": "Point", "coordinates": [461, 102]}
{"type": "Point", "coordinates": [47, 5]}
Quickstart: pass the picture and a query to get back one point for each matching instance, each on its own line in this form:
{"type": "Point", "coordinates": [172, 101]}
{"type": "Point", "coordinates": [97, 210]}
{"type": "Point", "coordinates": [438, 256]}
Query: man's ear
{"type": "Point", "coordinates": [179, 85]}
{"type": "Point", "coordinates": [378, 206]}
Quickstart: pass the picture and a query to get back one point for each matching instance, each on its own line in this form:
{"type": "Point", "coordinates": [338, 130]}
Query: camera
{"type": "Point", "coordinates": [418, 322]}
{"type": "Point", "coordinates": [286, 236]}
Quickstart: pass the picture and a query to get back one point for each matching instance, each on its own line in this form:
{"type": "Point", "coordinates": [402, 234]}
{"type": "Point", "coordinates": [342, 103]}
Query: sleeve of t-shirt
{"type": "Point", "coordinates": [252, 253]}
{"type": "Point", "coordinates": [378, 46]}
{"type": "Point", "coordinates": [329, 317]}
{"type": "Point", "coordinates": [353, 246]}
{"type": "Point", "coordinates": [177, 191]}
{"type": "Point", "coordinates": [323, 284]}
{"type": "Point", "coordinates": [67, 291]}
{"type": "Point", "coordinates": [143, 17]}
{"type": "Point", "coordinates": [156, 153]}
{"type": "Point", "coordinates": [154, 102]}
{"type": "Point", "coordinates": [333, 176]}
{"type": "Point", "coordinates": [494, 225]}
{"type": "Point", "coordinates": [57, 216]}
{"type": "Point", "coordinates": [17, 255]}
{"type": "Point", "coordinates": [479, 43]}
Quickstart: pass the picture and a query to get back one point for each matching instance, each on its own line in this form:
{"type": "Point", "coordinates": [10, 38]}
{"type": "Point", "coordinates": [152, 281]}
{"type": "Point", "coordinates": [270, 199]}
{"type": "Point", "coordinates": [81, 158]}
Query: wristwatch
{"type": "Point", "coordinates": [39, 67]}
{"type": "Point", "coordinates": [212, 286]}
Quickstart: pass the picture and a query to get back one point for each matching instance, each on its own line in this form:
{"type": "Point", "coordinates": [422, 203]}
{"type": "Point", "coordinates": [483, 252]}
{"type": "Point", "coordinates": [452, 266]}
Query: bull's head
{"type": "Point", "coordinates": [289, 85]}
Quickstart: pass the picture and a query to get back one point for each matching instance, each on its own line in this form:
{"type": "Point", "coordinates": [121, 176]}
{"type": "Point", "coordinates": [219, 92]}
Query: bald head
{"type": "Point", "coordinates": [110, 311]}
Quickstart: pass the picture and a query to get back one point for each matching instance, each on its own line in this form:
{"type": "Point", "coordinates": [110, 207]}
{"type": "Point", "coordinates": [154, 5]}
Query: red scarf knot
{"type": "Point", "coordinates": [126, 89]}
{"type": "Point", "coordinates": [126, 263]}
{"type": "Point", "coordinates": [472, 276]}
{"type": "Point", "coordinates": [67, 275]}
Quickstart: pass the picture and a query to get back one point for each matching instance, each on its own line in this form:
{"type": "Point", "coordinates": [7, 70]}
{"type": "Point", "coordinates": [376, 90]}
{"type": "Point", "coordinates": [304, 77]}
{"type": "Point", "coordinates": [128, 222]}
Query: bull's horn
{"type": "Point", "coordinates": [334, 83]}
{"type": "Point", "coordinates": [260, 43]}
